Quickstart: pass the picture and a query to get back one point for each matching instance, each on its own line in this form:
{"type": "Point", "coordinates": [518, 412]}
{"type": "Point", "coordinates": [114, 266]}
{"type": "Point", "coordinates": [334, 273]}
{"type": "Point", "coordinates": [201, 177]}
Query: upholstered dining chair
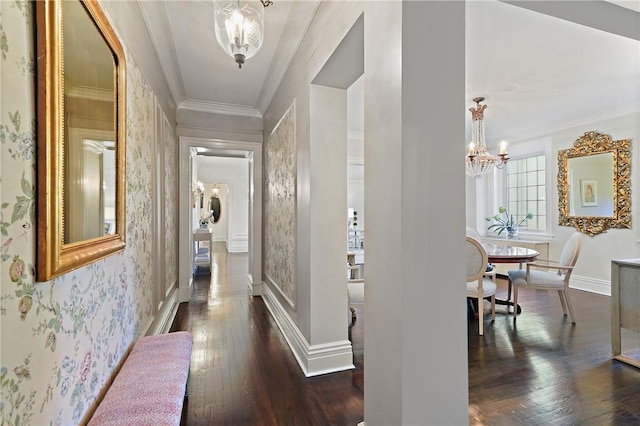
{"type": "Point", "coordinates": [555, 276]}
{"type": "Point", "coordinates": [490, 272]}
{"type": "Point", "coordinates": [478, 286]}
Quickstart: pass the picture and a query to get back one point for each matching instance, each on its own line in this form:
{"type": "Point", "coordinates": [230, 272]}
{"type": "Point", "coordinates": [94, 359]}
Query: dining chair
{"type": "Point", "coordinates": [555, 276]}
{"type": "Point", "coordinates": [478, 287]}
{"type": "Point", "coordinates": [490, 272]}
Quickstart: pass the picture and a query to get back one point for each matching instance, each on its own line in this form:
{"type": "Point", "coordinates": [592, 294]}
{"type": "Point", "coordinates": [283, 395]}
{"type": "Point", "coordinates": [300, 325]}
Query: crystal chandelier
{"type": "Point", "coordinates": [478, 161]}
{"type": "Point", "coordinates": [239, 27]}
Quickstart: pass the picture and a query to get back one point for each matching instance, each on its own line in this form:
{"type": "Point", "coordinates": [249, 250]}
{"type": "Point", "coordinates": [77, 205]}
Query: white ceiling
{"type": "Point", "coordinates": [535, 71]}
{"type": "Point", "coordinates": [538, 72]}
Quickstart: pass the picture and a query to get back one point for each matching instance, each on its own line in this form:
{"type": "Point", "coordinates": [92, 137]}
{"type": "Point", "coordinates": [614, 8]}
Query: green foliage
{"type": "Point", "coordinates": [504, 221]}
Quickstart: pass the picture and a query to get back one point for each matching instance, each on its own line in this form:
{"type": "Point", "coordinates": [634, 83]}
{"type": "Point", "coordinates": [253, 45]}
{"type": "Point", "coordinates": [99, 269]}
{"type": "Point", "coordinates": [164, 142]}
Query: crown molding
{"type": "Point", "coordinates": [159, 29]}
{"type": "Point", "coordinates": [585, 121]}
{"type": "Point", "coordinates": [219, 108]}
{"type": "Point", "coordinates": [298, 22]}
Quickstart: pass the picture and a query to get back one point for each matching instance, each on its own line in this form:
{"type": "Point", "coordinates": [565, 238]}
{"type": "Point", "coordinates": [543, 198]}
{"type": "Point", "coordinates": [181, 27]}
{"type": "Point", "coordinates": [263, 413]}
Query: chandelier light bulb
{"type": "Point", "coordinates": [239, 27]}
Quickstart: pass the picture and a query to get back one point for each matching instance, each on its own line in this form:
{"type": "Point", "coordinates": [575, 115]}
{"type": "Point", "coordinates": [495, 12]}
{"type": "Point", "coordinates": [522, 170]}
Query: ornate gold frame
{"type": "Point", "coordinates": [589, 144]}
{"type": "Point", "coordinates": [54, 257]}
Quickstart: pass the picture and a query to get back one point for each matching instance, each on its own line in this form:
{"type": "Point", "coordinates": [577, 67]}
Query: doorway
{"type": "Point", "coordinates": [251, 154]}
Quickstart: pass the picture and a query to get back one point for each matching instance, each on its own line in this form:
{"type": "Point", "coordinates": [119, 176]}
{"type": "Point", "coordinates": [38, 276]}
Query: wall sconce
{"type": "Point", "coordinates": [197, 191]}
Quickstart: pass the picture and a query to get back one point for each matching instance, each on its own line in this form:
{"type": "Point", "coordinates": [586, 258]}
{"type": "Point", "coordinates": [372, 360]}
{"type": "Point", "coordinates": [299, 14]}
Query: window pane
{"type": "Point", "coordinates": [542, 206]}
{"type": "Point", "coordinates": [542, 193]}
{"type": "Point", "coordinates": [526, 191]}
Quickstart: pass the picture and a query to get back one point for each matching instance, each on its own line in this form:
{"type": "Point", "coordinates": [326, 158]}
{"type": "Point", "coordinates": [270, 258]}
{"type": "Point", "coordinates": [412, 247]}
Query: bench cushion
{"type": "Point", "coordinates": [150, 387]}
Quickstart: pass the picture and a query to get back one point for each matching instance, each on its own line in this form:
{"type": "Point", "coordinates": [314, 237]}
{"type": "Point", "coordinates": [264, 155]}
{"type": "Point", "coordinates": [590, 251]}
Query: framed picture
{"type": "Point", "coordinates": [589, 193]}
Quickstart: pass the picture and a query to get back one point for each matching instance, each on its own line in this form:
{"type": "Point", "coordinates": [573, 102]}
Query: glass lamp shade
{"type": "Point", "coordinates": [239, 27]}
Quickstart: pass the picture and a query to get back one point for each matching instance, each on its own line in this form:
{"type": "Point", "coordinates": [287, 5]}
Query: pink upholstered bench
{"type": "Point", "coordinates": [151, 385]}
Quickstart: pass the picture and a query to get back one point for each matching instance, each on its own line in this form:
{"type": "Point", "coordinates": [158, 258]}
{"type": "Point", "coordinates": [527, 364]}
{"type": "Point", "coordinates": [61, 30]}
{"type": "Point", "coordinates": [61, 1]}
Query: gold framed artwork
{"type": "Point", "coordinates": [589, 193]}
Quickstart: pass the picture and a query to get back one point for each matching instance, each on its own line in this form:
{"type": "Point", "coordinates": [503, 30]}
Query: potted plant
{"type": "Point", "coordinates": [503, 221]}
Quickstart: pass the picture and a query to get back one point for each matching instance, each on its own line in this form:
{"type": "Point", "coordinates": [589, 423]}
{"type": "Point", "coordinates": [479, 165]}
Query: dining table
{"type": "Point", "coordinates": [498, 253]}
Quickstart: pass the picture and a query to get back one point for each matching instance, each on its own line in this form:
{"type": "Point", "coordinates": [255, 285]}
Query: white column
{"type": "Point", "coordinates": [416, 326]}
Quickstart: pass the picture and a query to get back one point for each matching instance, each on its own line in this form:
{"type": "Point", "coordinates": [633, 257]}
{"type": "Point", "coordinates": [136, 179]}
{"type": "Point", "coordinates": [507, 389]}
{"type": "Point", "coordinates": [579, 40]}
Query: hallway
{"type": "Point", "coordinates": [242, 371]}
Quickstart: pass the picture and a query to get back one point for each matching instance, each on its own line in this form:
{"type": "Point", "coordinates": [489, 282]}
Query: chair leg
{"type": "Point", "coordinates": [515, 301]}
{"type": "Point", "coordinates": [493, 307]}
{"type": "Point", "coordinates": [480, 319]}
{"type": "Point", "coordinates": [509, 284]}
{"type": "Point", "coordinates": [562, 302]}
{"type": "Point", "coordinates": [566, 296]}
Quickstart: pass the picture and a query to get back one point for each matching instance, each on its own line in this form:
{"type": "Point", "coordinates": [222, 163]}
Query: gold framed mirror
{"type": "Point", "coordinates": [81, 137]}
{"type": "Point", "coordinates": [594, 184]}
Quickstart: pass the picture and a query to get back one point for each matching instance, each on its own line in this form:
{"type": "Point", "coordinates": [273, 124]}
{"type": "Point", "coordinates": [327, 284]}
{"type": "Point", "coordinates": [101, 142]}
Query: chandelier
{"type": "Point", "coordinates": [239, 27]}
{"type": "Point", "coordinates": [478, 161]}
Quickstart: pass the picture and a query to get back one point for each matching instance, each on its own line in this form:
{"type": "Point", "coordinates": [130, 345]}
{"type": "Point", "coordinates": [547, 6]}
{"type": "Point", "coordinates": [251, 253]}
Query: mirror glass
{"type": "Point", "coordinates": [90, 133]}
{"type": "Point", "coordinates": [81, 136]}
{"type": "Point", "coordinates": [591, 183]}
{"type": "Point", "coordinates": [215, 208]}
{"type": "Point", "coordinates": [594, 184]}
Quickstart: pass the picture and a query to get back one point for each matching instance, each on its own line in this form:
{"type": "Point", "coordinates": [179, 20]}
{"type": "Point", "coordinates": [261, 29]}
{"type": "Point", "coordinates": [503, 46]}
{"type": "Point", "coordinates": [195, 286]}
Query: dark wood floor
{"type": "Point", "coordinates": [242, 371]}
{"type": "Point", "coordinates": [540, 370]}
{"type": "Point", "coordinates": [543, 370]}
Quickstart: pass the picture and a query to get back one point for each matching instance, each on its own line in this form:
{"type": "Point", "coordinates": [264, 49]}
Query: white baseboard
{"type": "Point", "coordinates": [165, 316]}
{"type": "Point", "coordinates": [238, 245]}
{"type": "Point", "coordinates": [185, 292]}
{"type": "Point", "coordinates": [313, 359]}
{"type": "Point", "coordinates": [254, 287]}
{"type": "Point", "coordinates": [592, 285]}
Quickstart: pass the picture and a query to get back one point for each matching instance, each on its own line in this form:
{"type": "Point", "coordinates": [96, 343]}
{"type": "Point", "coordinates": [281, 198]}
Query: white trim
{"type": "Point", "coordinates": [314, 360]}
{"type": "Point", "coordinates": [254, 286]}
{"type": "Point", "coordinates": [592, 285]}
{"type": "Point", "coordinates": [219, 108]}
{"type": "Point", "coordinates": [277, 287]}
{"type": "Point", "coordinates": [238, 243]}
{"type": "Point", "coordinates": [161, 323]}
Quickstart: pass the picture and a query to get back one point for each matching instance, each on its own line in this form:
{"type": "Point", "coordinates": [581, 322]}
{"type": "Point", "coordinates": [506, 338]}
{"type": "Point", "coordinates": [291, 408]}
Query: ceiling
{"type": "Point", "coordinates": [535, 71]}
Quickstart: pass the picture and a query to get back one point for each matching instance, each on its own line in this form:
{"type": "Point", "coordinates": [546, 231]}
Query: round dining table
{"type": "Point", "coordinates": [510, 254]}
{"type": "Point", "coordinates": [497, 253]}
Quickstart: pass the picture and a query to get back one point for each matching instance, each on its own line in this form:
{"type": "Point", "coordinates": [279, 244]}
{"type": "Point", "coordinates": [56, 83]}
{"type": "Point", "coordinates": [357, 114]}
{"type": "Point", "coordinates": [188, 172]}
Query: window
{"type": "Point", "coordinates": [526, 191]}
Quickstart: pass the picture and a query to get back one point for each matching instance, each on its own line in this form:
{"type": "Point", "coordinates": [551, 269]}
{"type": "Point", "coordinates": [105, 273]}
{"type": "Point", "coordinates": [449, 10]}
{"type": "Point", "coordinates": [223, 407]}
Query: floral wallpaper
{"type": "Point", "coordinates": [61, 339]}
{"type": "Point", "coordinates": [170, 191]}
{"type": "Point", "coordinates": [279, 205]}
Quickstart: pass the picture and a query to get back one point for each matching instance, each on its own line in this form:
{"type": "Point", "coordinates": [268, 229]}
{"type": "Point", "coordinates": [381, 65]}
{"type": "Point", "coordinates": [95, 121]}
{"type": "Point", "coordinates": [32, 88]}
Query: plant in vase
{"type": "Point", "coordinates": [503, 221]}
